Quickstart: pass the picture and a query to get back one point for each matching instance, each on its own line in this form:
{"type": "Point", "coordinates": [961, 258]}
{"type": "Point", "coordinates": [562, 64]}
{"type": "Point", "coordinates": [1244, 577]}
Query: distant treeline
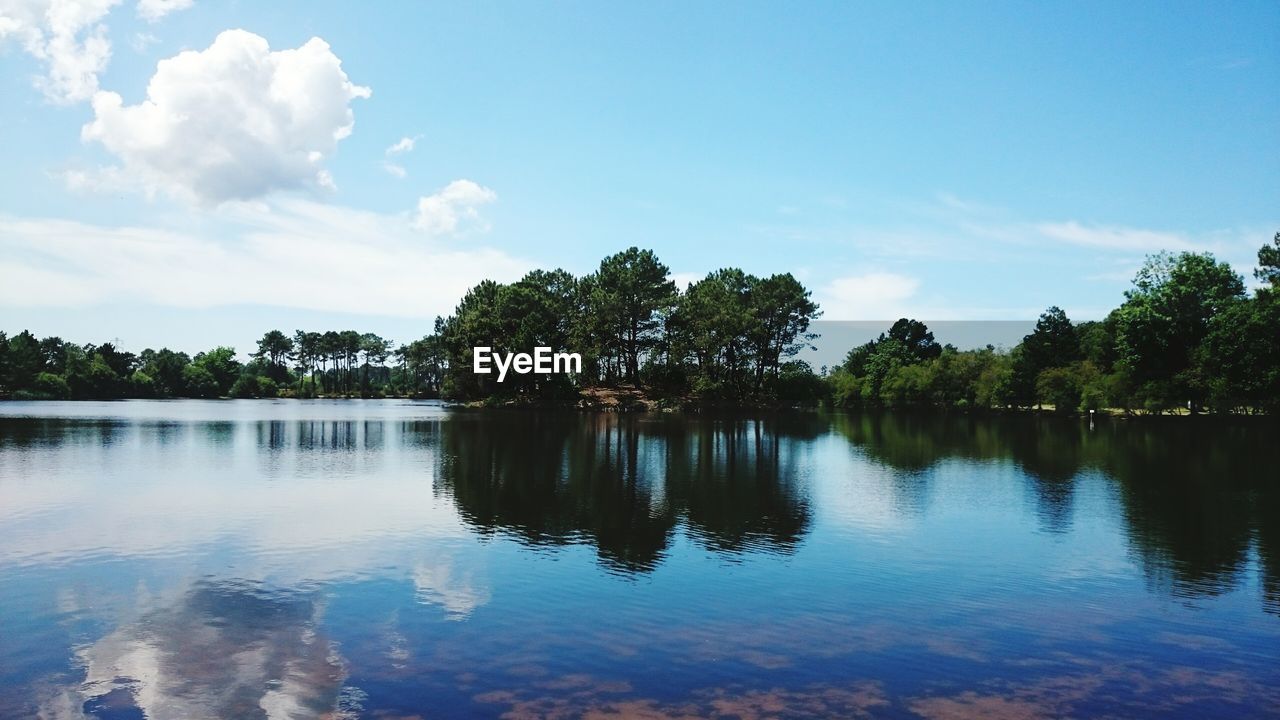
{"type": "Point", "coordinates": [306, 365]}
{"type": "Point", "coordinates": [1188, 337]}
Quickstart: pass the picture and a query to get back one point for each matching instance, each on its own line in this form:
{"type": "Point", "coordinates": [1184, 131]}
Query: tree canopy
{"type": "Point", "coordinates": [1187, 337]}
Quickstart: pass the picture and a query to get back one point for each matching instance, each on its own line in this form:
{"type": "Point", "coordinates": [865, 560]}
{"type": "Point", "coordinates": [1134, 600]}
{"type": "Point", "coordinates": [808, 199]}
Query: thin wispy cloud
{"type": "Point", "coordinates": [142, 42]}
{"type": "Point", "coordinates": [373, 263]}
{"type": "Point", "coordinates": [403, 146]}
{"type": "Point", "coordinates": [1113, 238]}
{"type": "Point", "coordinates": [991, 222]}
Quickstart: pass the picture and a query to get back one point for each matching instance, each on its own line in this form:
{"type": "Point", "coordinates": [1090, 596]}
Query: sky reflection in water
{"type": "Point", "coordinates": [394, 560]}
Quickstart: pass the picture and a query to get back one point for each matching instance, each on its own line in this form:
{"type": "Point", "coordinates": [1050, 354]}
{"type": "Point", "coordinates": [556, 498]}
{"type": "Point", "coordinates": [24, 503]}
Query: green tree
{"type": "Point", "coordinates": [273, 348]}
{"type": "Point", "coordinates": [1054, 342]}
{"type": "Point", "coordinates": [1098, 342]}
{"type": "Point", "coordinates": [222, 366]}
{"type": "Point", "coordinates": [376, 350]}
{"type": "Point", "coordinates": [348, 355]}
{"type": "Point", "coordinates": [475, 322]}
{"type": "Point", "coordinates": [251, 385]}
{"type": "Point", "coordinates": [424, 364]}
{"type": "Point", "coordinates": [52, 386]}
{"type": "Point", "coordinates": [142, 385]}
{"type": "Point", "coordinates": [90, 376]}
{"type": "Point", "coordinates": [199, 382]}
{"type": "Point", "coordinates": [53, 354]}
{"type": "Point", "coordinates": [165, 367]}
{"type": "Point", "coordinates": [306, 352]}
{"type": "Point", "coordinates": [781, 311]}
{"type": "Point", "coordinates": [714, 321]}
{"type": "Point", "coordinates": [1268, 269]}
{"type": "Point", "coordinates": [916, 337]}
{"type": "Point", "coordinates": [889, 355]}
{"type": "Point", "coordinates": [121, 363]}
{"type": "Point", "coordinates": [4, 363]}
{"type": "Point", "coordinates": [328, 349]}
{"type": "Point", "coordinates": [539, 310]}
{"type": "Point", "coordinates": [1164, 319]}
{"type": "Point", "coordinates": [632, 294]}
{"type": "Point", "coordinates": [912, 336]}
{"type": "Point", "coordinates": [1060, 387]}
{"type": "Point", "coordinates": [25, 360]}
{"type": "Point", "coordinates": [1240, 356]}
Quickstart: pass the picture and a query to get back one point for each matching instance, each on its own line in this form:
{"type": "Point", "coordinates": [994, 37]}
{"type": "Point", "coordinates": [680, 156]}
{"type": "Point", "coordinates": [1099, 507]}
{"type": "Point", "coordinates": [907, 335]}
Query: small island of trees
{"type": "Point", "coordinates": [1188, 338]}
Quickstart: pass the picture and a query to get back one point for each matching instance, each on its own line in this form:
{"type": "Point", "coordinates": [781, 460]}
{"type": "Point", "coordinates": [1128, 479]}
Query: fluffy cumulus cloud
{"type": "Point", "coordinates": [454, 209]}
{"type": "Point", "coordinates": [67, 37]}
{"type": "Point", "coordinates": [232, 122]}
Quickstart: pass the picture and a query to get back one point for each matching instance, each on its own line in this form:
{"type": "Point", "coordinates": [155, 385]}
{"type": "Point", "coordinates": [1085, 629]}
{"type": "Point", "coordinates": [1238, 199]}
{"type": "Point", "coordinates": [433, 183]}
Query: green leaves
{"type": "Point", "coordinates": [729, 335]}
{"type": "Point", "coordinates": [1166, 317]}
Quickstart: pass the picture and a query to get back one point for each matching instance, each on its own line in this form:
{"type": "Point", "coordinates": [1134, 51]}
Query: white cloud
{"type": "Point", "coordinates": [401, 147]}
{"type": "Point", "coordinates": [338, 259]}
{"type": "Point", "coordinates": [871, 296]}
{"type": "Point", "coordinates": [684, 279]}
{"type": "Point", "coordinates": [232, 122]}
{"type": "Point", "coordinates": [141, 41]}
{"type": "Point", "coordinates": [67, 37]}
{"type": "Point", "coordinates": [454, 208]}
{"type": "Point", "coordinates": [404, 145]}
{"type": "Point", "coordinates": [441, 582]}
{"type": "Point", "coordinates": [1114, 238]}
{"type": "Point", "coordinates": [153, 10]}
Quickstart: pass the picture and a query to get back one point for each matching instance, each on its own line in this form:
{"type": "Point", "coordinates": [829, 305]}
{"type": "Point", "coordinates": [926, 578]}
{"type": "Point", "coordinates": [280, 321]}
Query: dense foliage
{"type": "Point", "coordinates": [333, 363]}
{"type": "Point", "coordinates": [1188, 337]}
{"type": "Point", "coordinates": [728, 339]}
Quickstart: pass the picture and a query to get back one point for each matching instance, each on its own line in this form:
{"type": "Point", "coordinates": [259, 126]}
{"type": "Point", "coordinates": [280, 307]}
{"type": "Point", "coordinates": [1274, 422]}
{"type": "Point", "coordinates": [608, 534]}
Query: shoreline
{"type": "Point", "coordinates": [636, 404]}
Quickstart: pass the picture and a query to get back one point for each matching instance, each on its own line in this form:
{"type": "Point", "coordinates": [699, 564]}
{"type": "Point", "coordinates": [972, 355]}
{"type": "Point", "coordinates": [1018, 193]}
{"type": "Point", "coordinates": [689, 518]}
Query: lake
{"type": "Point", "coordinates": [395, 559]}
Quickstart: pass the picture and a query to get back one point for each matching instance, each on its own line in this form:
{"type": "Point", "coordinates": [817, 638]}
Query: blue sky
{"type": "Point", "coordinates": [940, 160]}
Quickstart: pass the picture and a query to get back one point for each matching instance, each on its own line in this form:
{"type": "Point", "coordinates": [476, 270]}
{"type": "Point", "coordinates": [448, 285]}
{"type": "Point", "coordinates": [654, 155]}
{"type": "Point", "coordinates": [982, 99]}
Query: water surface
{"type": "Point", "coordinates": [390, 559]}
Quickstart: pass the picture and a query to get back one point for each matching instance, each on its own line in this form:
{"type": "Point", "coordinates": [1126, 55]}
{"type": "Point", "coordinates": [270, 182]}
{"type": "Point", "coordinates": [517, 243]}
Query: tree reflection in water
{"type": "Point", "coordinates": [623, 483]}
{"type": "Point", "coordinates": [366, 511]}
{"type": "Point", "coordinates": [1197, 496]}
{"type": "Point", "coordinates": [1196, 499]}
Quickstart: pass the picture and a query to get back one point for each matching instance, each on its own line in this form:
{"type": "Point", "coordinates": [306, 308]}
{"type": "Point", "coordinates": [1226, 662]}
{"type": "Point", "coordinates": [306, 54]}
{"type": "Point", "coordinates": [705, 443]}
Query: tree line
{"type": "Point", "coordinates": [728, 339]}
{"type": "Point", "coordinates": [1188, 337]}
{"type": "Point", "coordinates": [309, 364]}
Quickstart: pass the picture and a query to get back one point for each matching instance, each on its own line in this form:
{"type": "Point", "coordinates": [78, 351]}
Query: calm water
{"type": "Point", "coordinates": [399, 560]}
